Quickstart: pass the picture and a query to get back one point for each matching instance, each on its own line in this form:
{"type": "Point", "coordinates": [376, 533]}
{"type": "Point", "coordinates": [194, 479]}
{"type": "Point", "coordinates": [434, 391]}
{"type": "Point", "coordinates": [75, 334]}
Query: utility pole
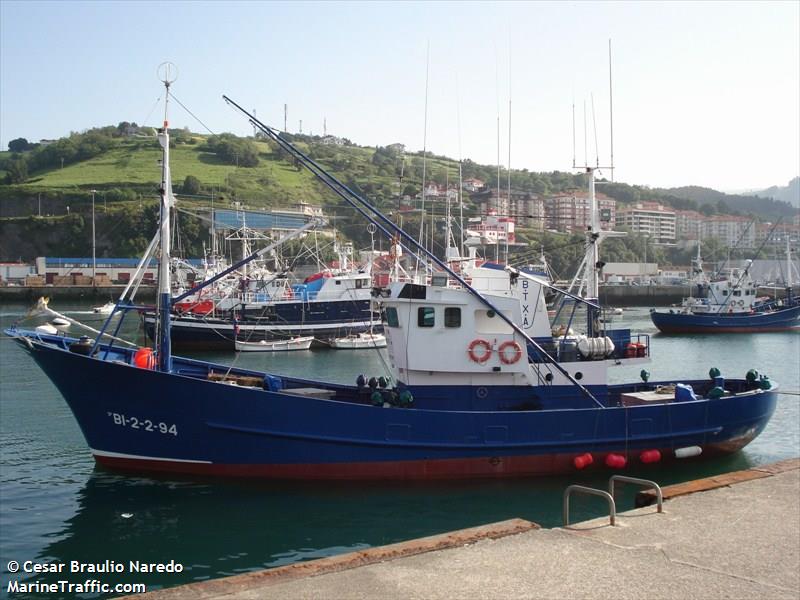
{"type": "Point", "coordinates": [324, 126]}
{"type": "Point", "coordinates": [40, 204]}
{"type": "Point", "coordinates": [94, 252]}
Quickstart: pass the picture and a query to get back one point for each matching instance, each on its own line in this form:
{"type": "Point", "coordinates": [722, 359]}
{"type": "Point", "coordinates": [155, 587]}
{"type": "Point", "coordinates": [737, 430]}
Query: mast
{"type": "Point", "coordinates": [592, 285]}
{"type": "Point", "coordinates": [168, 74]}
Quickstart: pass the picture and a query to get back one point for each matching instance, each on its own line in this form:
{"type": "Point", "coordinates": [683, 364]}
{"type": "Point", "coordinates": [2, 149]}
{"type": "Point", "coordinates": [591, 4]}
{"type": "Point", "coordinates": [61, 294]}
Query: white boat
{"type": "Point", "coordinates": [47, 328]}
{"type": "Point", "coordinates": [296, 343]}
{"type": "Point", "coordinates": [106, 309]}
{"type": "Point", "coordinates": [59, 322]}
{"type": "Point", "coordinates": [358, 341]}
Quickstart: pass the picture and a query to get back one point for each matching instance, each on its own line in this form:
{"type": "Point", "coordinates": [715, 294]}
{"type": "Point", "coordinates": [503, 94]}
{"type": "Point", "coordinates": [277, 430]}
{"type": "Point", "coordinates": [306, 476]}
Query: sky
{"type": "Point", "coordinates": [704, 93]}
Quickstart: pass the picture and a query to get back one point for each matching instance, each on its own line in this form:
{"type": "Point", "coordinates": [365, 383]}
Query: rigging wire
{"type": "Point", "coordinates": [196, 118]}
{"type": "Point", "coordinates": [150, 114]}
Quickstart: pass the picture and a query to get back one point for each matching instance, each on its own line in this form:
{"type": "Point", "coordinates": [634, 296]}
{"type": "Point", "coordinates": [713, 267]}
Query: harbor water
{"type": "Point", "coordinates": [56, 506]}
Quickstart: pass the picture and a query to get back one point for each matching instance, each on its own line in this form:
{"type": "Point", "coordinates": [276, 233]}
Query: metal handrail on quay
{"type": "Point", "coordinates": [609, 495]}
{"type": "Point", "coordinates": [612, 507]}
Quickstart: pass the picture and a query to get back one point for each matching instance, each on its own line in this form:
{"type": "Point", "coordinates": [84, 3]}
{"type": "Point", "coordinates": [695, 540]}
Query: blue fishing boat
{"type": "Point", "coordinates": [730, 304]}
{"type": "Point", "coordinates": [472, 391]}
{"type": "Point", "coordinates": [258, 305]}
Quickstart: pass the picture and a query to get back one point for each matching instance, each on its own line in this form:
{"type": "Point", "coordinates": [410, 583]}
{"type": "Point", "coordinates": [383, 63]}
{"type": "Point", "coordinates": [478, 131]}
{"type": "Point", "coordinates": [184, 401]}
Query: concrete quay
{"type": "Point", "coordinates": [733, 536]}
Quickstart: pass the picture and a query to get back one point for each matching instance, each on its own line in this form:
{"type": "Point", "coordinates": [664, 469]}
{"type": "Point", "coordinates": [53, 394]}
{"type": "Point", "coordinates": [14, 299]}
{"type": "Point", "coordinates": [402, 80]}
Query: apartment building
{"type": "Point", "coordinates": [651, 219]}
{"type": "Point", "coordinates": [571, 212]}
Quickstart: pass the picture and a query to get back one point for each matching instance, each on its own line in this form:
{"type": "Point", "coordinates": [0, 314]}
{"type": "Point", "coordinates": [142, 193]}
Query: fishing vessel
{"type": "Point", "coordinates": [469, 392]}
{"type": "Point", "coordinates": [729, 303]}
{"type": "Point", "coordinates": [257, 304]}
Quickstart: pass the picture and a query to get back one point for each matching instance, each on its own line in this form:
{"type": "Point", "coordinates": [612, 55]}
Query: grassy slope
{"type": "Point", "coordinates": [135, 163]}
{"type": "Point", "coordinates": [272, 182]}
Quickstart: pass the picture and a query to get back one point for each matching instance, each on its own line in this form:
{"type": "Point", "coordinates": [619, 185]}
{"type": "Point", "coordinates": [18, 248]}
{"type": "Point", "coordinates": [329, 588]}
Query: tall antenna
{"type": "Point", "coordinates": [324, 126]}
{"type": "Point", "coordinates": [424, 152]}
{"type": "Point", "coordinates": [301, 125]}
{"type": "Point", "coordinates": [596, 147]}
{"type": "Point", "coordinates": [460, 179]}
{"type": "Point", "coordinates": [508, 179]}
{"type": "Point", "coordinates": [285, 117]}
{"type": "Point", "coordinates": [573, 130]}
{"type": "Point", "coordinates": [497, 90]}
{"type": "Point", "coordinates": [611, 109]}
{"type": "Point", "coordinates": [585, 143]}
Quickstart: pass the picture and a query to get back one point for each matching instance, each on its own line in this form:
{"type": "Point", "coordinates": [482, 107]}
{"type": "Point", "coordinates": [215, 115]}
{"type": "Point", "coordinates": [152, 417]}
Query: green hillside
{"type": "Point", "coordinates": [121, 163]}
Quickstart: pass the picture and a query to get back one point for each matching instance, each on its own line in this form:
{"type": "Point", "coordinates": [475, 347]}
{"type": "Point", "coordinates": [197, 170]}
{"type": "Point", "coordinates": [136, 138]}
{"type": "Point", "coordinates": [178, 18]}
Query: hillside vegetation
{"type": "Point", "coordinates": [121, 165]}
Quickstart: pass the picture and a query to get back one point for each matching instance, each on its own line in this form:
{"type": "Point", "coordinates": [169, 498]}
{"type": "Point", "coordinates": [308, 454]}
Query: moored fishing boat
{"type": "Point", "coordinates": [729, 304]}
{"type": "Point", "coordinates": [257, 304]}
{"type": "Point", "coordinates": [470, 392]}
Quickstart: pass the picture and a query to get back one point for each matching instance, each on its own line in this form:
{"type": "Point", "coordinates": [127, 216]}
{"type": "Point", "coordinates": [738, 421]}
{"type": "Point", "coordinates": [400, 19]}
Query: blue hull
{"type": "Point", "coordinates": [779, 320]}
{"type": "Point", "coordinates": [321, 319]}
{"type": "Point", "coordinates": [184, 422]}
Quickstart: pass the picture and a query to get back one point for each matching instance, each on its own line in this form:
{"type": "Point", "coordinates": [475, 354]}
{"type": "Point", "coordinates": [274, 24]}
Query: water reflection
{"type": "Point", "coordinates": [216, 528]}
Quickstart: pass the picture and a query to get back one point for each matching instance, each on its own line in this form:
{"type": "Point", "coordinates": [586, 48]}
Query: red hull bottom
{"type": "Point", "coordinates": [466, 468]}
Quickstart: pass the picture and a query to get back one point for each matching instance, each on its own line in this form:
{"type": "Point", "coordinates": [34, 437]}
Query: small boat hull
{"type": "Point", "coordinates": [360, 341]}
{"type": "Point", "coordinates": [298, 343]}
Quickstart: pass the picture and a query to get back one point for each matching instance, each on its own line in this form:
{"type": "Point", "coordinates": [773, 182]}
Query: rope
{"type": "Point", "coordinates": [191, 113]}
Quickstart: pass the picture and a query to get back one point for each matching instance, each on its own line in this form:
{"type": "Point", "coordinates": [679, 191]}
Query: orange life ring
{"type": "Point", "coordinates": [504, 357]}
{"type": "Point", "coordinates": [479, 358]}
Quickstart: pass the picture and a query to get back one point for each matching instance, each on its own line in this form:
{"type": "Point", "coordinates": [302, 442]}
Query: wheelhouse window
{"type": "Point", "coordinates": [426, 316]}
{"type": "Point", "coordinates": [390, 316]}
{"type": "Point", "coordinates": [452, 316]}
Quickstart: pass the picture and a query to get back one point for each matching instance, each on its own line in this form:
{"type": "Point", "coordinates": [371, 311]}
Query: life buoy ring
{"type": "Point", "coordinates": [479, 358]}
{"type": "Point", "coordinates": [289, 295]}
{"type": "Point", "coordinates": [741, 302]}
{"type": "Point", "coordinates": [507, 359]}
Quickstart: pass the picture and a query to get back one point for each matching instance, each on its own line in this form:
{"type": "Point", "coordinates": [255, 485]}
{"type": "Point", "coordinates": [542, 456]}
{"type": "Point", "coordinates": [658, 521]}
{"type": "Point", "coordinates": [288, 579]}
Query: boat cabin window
{"type": "Point", "coordinates": [724, 292]}
{"type": "Point", "coordinates": [390, 316]}
{"type": "Point", "coordinates": [426, 316]}
{"type": "Point", "coordinates": [487, 321]}
{"type": "Point", "coordinates": [413, 291]}
{"type": "Point", "coordinates": [359, 284]}
{"type": "Point", "coordinates": [452, 316]}
{"type": "Point", "coordinates": [737, 292]}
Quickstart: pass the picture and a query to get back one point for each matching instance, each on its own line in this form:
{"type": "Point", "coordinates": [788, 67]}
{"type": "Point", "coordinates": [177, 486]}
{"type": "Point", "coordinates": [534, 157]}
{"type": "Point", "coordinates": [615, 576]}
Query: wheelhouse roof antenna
{"type": "Point", "coordinates": [611, 109]}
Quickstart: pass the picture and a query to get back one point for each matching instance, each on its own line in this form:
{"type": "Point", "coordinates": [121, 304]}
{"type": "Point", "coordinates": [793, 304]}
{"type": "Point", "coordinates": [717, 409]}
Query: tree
{"type": "Point", "coordinates": [18, 145]}
{"type": "Point", "coordinates": [191, 185]}
{"type": "Point", "coordinates": [17, 171]}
